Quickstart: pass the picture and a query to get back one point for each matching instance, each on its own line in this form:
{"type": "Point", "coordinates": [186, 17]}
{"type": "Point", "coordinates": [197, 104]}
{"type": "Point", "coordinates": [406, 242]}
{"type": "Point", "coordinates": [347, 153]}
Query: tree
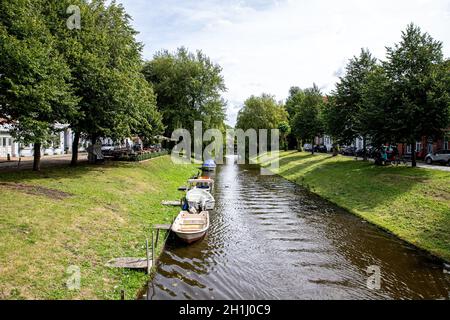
{"type": "Point", "coordinates": [379, 112]}
{"type": "Point", "coordinates": [307, 122]}
{"type": "Point", "coordinates": [188, 88]}
{"type": "Point", "coordinates": [295, 99]}
{"type": "Point", "coordinates": [347, 106]}
{"type": "Point", "coordinates": [35, 89]}
{"type": "Point", "coordinates": [420, 84]}
{"type": "Point", "coordinates": [105, 61]}
{"type": "Point", "coordinates": [262, 112]}
{"type": "Point", "coordinates": [285, 130]}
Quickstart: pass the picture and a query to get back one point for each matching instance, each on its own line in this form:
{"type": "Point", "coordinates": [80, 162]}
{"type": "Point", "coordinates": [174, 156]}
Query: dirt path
{"type": "Point", "coordinates": [26, 163]}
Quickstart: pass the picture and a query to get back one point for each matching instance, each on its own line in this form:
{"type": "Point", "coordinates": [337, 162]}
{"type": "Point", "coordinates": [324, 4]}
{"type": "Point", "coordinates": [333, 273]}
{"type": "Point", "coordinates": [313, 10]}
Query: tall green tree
{"type": "Point", "coordinates": [294, 100]}
{"type": "Point", "coordinates": [346, 108]}
{"type": "Point", "coordinates": [285, 130]}
{"type": "Point", "coordinates": [262, 112]}
{"type": "Point", "coordinates": [188, 88]}
{"type": "Point", "coordinates": [105, 62]}
{"type": "Point", "coordinates": [307, 122]}
{"type": "Point", "coordinates": [420, 84]}
{"type": "Point", "coordinates": [379, 111]}
{"type": "Point", "coordinates": [35, 90]}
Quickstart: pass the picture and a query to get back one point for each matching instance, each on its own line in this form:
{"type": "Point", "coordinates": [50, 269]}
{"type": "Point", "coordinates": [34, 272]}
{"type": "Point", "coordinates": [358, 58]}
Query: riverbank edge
{"type": "Point", "coordinates": [428, 252]}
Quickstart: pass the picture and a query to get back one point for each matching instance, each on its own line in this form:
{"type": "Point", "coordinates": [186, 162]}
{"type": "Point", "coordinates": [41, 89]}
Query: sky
{"type": "Point", "coordinates": [268, 46]}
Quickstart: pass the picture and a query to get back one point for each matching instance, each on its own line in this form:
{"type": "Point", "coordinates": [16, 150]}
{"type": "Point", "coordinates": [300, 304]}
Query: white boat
{"type": "Point", "coordinates": [200, 199]}
{"type": "Point", "coordinates": [209, 165]}
{"type": "Point", "coordinates": [191, 227]}
{"type": "Point", "coordinates": [203, 183]}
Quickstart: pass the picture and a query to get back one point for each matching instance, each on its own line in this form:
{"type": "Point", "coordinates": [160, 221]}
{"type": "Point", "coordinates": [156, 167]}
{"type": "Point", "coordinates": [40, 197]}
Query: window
{"type": "Point", "coordinates": [10, 142]}
{"type": "Point", "coordinates": [4, 142]}
{"type": "Point", "coordinates": [418, 146]}
{"type": "Point", "coordinates": [408, 148]}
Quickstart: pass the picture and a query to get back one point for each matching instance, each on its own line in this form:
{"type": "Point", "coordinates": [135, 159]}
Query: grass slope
{"type": "Point", "coordinates": [412, 203]}
{"type": "Point", "coordinates": [81, 216]}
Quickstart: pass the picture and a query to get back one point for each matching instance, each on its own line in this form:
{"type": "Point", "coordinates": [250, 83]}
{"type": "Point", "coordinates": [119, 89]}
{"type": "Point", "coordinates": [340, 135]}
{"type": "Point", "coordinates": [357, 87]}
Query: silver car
{"type": "Point", "coordinates": [442, 156]}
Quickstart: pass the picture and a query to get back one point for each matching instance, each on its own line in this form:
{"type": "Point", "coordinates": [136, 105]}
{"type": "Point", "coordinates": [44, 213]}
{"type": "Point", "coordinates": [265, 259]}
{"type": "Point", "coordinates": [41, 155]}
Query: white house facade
{"type": "Point", "coordinates": [60, 144]}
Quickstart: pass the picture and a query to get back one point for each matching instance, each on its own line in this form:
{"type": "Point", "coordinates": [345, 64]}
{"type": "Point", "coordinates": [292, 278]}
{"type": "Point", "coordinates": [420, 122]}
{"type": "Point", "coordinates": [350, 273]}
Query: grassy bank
{"type": "Point", "coordinates": [83, 217]}
{"type": "Point", "coordinates": [413, 204]}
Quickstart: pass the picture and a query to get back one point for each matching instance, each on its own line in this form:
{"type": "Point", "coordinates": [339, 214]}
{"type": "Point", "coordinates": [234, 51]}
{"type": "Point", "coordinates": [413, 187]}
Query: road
{"type": "Point", "coordinates": [420, 164]}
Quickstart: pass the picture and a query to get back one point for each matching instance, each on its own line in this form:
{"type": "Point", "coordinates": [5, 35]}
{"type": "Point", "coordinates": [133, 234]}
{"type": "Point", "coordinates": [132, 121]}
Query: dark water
{"type": "Point", "coordinates": [269, 239]}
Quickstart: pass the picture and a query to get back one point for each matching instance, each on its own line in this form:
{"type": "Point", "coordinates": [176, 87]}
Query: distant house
{"type": "Point", "coordinates": [324, 140]}
{"type": "Point", "coordinates": [60, 144]}
{"type": "Point", "coordinates": [428, 145]}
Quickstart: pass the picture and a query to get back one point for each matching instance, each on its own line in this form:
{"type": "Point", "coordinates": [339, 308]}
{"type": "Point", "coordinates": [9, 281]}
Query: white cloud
{"type": "Point", "coordinates": [269, 46]}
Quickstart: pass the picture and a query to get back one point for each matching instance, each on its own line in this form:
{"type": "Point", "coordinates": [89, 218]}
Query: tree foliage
{"type": "Point", "coordinates": [420, 85]}
{"type": "Point", "coordinates": [262, 112]}
{"type": "Point", "coordinates": [35, 81]}
{"type": "Point", "coordinates": [305, 109]}
{"type": "Point", "coordinates": [188, 87]}
{"type": "Point", "coordinates": [343, 115]}
{"type": "Point", "coordinates": [105, 62]}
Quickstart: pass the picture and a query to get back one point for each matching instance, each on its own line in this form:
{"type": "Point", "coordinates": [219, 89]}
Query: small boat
{"type": "Point", "coordinates": [209, 165]}
{"type": "Point", "coordinates": [203, 183]}
{"type": "Point", "coordinates": [191, 227]}
{"type": "Point", "coordinates": [200, 199]}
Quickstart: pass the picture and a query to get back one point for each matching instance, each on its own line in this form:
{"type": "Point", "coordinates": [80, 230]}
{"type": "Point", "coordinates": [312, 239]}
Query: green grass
{"type": "Point", "coordinates": [108, 214]}
{"type": "Point", "coordinates": [412, 203]}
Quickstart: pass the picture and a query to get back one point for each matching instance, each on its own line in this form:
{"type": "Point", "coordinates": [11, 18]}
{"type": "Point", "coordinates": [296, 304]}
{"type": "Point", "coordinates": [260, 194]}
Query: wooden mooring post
{"type": "Point", "coordinates": [149, 267]}
{"type": "Point", "coordinates": [153, 250]}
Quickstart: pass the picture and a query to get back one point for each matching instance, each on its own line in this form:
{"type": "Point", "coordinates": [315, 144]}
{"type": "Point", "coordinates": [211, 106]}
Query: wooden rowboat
{"type": "Point", "coordinates": [191, 227]}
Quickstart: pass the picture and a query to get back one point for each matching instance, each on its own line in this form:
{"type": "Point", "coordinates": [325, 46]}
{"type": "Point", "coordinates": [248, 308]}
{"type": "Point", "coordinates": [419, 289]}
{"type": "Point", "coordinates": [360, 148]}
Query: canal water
{"type": "Point", "coordinates": [270, 239]}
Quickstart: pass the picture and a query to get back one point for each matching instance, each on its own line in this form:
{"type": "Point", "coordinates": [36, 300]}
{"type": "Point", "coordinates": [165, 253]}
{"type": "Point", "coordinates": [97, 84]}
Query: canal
{"type": "Point", "coordinates": [270, 239]}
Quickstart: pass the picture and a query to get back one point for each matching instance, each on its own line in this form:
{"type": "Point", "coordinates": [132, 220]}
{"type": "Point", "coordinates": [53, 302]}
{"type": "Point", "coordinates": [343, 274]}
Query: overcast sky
{"type": "Point", "coordinates": [269, 45]}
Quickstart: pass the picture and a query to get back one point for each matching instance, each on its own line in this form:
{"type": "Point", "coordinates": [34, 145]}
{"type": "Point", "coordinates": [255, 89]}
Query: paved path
{"type": "Point", "coordinates": [26, 163]}
{"type": "Point", "coordinates": [433, 166]}
{"type": "Point", "coordinates": [420, 164]}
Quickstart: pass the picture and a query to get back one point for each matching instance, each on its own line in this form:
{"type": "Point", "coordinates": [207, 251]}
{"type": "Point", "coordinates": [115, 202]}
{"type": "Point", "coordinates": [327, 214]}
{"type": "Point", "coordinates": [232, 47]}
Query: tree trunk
{"type": "Point", "coordinates": [413, 155]}
{"type": "Point", "coordinates": [364, 149]}
{"type": "Point", "coordinates": [75, 145]}
{"type": "Point", "coordinates": [92, 158]}
{"type": "Point", "coordinates": [335, 150]}
{"type": "Point", "coordinates": [37, 157]}
{"type": "Point", "coordinates": [312, 146]}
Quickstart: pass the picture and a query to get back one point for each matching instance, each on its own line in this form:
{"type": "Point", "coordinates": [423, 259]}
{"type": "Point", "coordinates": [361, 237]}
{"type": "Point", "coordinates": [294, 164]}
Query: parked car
{"type": "Point", "coordinates": [307, 147]}
{"type": "Point", "coordinates": [348, 151]}
{"type": "Point", "coordinates": [107, 147]}
{"type": "Point", "coordinates": [369, 152]}
{"type": "Point", "coordinates": [320, 149]}
{"type": "Point", "coordinates": [442, 156]}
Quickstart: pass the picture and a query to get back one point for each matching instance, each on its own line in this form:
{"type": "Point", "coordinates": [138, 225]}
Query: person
{"type": "Point", "coordinates": [383, 155]}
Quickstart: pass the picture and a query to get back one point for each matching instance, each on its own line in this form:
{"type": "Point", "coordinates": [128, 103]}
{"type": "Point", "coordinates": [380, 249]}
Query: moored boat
{"type": "Point", "coordinates": [200, 199]}
{"type": "Point", "coordinates": [191, 227]}
{"type": "Point", "coordinates": [209, 165]}
{"type": "Point", "coordinates": [203, 183]}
